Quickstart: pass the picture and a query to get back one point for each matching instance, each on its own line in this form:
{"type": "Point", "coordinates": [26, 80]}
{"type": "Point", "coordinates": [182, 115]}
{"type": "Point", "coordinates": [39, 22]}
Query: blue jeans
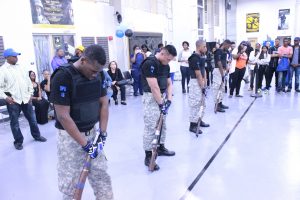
{"type": "Point", "coordinates": [14, 111]}
{"type": "Point", "coordinates": [172, 74]}
{"type": "Point", "coordinates": [297, 74]}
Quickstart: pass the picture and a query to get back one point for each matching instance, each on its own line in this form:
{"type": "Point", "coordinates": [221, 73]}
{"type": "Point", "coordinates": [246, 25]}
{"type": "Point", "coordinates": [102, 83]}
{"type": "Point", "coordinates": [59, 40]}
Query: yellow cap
{"type": "Point", "coordinates": [81, 48]}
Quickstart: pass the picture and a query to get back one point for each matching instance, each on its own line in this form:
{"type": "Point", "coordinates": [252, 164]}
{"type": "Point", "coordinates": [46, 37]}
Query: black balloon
{"type": "Point", "coordinates": [128, 33]}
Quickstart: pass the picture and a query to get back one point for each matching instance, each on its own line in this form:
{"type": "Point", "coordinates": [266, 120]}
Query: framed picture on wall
{"type": "Point", "coordinates": [252, 22]}
{"type": "Point", "coordinates": [283, 19]}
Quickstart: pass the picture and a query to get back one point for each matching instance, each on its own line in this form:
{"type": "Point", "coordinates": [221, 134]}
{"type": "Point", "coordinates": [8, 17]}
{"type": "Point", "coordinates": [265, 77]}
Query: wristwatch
{"type": "Point", "coordinates": [103, 133]}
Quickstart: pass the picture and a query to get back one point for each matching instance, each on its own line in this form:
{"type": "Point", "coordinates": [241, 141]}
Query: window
{"type": "Point", "coordinates": [2, 60]}
{"type": "Point", "coordinates": [205, 12]}
{"type": "Point", "coordinates": [200, 18]}
{"type": "Point", "coordinates": [103, 42]}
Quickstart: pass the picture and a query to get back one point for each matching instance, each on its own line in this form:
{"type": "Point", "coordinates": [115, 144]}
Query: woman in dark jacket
{"type": "Point", "coordinates": [41, 105]}
{"type": "Point", "coordinates": [116, 75]}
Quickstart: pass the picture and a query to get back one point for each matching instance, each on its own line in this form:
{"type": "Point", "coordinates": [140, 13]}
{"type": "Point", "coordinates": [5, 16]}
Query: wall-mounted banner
{"type": "Point", "coordinates": [252, 22]}
{"type": "Point", "coordinates": [51, 13]}
{"type": "Point", "coordinates": [283, 19]}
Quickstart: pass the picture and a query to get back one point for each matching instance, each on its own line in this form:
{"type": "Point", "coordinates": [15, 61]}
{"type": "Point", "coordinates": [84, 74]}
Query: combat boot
{"type": "Point", "coordinates": [193, 128]}
{"type": "Point", "coordinates": [163, 151]}
{"type": "Point", "coordinates": [148, 158]}
{"type": "Point", "coordinates": [219, 108]}
{"type": "Point", "coordinates": [223, 106]}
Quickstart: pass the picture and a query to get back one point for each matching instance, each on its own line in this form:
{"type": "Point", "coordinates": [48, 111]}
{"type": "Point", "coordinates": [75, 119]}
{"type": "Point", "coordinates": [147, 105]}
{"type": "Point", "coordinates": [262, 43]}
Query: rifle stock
{"type": "Point", "coordinates": [156, 142]}
{"type": "Point", "coordinates": [84, 172]}
{"type": "Point", "coordinates": [218, 97]}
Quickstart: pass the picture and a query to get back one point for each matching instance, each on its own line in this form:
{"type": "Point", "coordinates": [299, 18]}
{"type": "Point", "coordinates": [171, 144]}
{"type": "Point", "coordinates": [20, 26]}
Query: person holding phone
{"type": "Point", "coordinates": [240, 69]}
{"type": "Point", "coordinates": [136, 60]}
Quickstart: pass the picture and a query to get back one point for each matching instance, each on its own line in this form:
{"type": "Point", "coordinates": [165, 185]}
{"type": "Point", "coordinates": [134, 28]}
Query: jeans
{"type": "Point", "coordinates": [172, 74]}
{"type": "Point", "coordinates": [115, 92]}
{"type": "Point", "coordinates": [269, 76]}
{"type": "Point", "coordinates": [295, 70]}
{"type": "Point", "coordinates": [281, 80]}
{"type": "Point", "coordinates": [185, 75]}
{"type": "Point", "coordinates": [14, 111]}
{"type": "Point", "coordinates": [261, 73]}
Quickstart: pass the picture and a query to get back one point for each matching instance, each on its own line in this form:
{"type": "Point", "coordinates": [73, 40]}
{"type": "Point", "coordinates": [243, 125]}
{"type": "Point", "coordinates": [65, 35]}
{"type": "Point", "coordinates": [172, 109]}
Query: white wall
{"type": "Point", "coordinates": [185, 24]}
{"type": "Point", "coordinates": [268, 11]}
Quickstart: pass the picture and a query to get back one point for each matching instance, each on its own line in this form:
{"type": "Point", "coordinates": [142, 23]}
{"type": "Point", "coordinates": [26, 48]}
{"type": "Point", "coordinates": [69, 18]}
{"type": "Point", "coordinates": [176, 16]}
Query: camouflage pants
{"type": "Point", "coordinates": [151, 116]}
{"type": "Point", "coordinates": [71, 158]}
{"type": "Point", "coordinates": [195, 97]}
{"type": "Point", "coordinates": [217, 81]}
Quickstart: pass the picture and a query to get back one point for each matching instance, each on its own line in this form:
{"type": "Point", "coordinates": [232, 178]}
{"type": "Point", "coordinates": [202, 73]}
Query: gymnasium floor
{"type": "Point", "coordinates": [258, 160]}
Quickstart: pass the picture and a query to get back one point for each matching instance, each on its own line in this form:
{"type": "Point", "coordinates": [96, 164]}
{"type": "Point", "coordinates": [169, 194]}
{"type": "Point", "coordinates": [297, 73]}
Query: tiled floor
{"type": "Point", "coordinates": [260, 161]}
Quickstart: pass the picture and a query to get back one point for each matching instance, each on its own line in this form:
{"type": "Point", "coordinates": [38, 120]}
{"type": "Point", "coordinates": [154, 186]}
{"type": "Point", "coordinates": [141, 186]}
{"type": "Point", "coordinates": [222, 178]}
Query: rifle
{"type": "Point", "coordinates": [218, 96]}
{"type": "Point", "coordinates": [86, 168]}
{"type": "Point", "coordinates": [202, 101]}
{"type": "Point", "coordinates": [156, 142]}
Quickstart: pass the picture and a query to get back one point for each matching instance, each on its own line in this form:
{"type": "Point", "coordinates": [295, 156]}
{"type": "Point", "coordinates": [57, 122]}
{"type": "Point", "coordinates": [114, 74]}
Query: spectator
{"type": "Point", "coordinates": [146, 50]}
{"type": "Point", "coordinates": [159, 47]}
{"type": "Point", "coordinates": [285, 52]}
{"type": "Point", "coordinates": [240, 68]}
{"type": "Point", "coordinates": [41, 105]}
{"type": "Point", "coordinates": [273, 51]}
{"type": "Point", "coordinates": [116, 75]}
{"type": "Point", "coordinates": [262, 60]}
{"type": "Point", "coordinates": [16, 89]}
{"type": "Point", "coordinates": [136, 59]}
{"type": "Point", "coordinates": [78, 52]}
{"type": "Point", "coordinates": [45, 84]}
{"type": "Point", "coordinates": [295, 66]}
{"type": "Point", "coordinates": [184, 65]}
{"type": "Point", "coordinates": [59, 59]}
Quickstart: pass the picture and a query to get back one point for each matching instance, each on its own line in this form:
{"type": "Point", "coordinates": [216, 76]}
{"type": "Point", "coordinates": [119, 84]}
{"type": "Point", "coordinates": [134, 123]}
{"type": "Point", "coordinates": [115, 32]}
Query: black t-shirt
{"type": "Point", "coordinates": [196, 63]}
{"type": "Point", "coordinates": [274, 60]}
{"type": "Point", "coordinates": [62, 86]}
{"type": "Point", "coordinates": [221, 55]}
{"type": "Point", "coordinates": [152, 68]}
{"type": "Point", "coordinates": [43, 83]}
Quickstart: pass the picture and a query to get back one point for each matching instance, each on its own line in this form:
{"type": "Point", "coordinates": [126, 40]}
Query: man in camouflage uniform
{"type": "Point", "coordinates": [197, 86]}
{"type": "Point", "coordinates": [219, 74]}
{"type": "Point", "coordinates": [80, 101]}
{"type": "Point", "coordinates": [156, 81]}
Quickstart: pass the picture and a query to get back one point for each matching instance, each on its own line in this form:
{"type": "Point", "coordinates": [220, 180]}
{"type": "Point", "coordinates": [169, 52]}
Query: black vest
{"type": "Point", "coordinates": [162, 75]}
{"type": "Point", "coordinates": [85, 94]}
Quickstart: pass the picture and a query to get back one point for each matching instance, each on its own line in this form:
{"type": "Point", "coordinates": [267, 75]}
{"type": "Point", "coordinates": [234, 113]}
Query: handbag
{"type": "Point", "coordinates": [283, 65]}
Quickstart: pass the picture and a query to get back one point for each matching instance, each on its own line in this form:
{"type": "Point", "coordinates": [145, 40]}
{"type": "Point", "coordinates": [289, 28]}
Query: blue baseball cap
{"type": "Point", "coordinates": [10, 52]}
{"type": "Point", "coordinates": [297, 38]}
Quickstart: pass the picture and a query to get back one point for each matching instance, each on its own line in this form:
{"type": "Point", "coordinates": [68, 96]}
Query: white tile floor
{"type": "Point", "coordinates": [260, 161]}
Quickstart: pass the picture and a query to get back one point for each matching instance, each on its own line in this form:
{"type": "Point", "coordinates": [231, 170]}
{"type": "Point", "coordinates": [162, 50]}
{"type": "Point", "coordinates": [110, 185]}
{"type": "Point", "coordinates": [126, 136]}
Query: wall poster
{"type": "Point", "coordinates": [52, 12]}
{"type": "Point", "coordinates": [283, 19]}
{"type": "Point", "coordinates": [252, 22]}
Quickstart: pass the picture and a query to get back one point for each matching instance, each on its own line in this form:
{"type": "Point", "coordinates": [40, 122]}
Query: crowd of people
{"type": "Point", "coordinates": [78, 90]}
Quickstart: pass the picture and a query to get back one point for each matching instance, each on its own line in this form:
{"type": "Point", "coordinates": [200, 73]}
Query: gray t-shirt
{"type": "Point", "coordinates": [296, 56]}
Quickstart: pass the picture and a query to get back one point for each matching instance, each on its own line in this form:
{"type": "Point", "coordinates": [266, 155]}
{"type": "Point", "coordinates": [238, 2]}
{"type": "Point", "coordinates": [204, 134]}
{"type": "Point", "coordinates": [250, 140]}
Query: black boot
{"type": "Point", "coordinates": [148, 158]}
{"type": "Point", "coordinates": [220, 109]}
{"type": "Point", "coordinates": [193, 128]}
{"type": "Point", "coordinates": [223, 106]}
{"type": "Point", "coordinates": [163, 151]}
{"type": "Point", "coordinates": [203, 124]}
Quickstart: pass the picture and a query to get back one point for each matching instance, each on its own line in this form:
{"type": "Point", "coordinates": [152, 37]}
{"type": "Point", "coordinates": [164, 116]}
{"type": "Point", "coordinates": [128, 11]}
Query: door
{"type": "Point", "coordinates": [42, 54]}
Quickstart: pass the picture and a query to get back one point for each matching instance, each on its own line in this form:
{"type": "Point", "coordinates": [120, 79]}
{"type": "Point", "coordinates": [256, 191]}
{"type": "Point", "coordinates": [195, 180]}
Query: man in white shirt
{"type": "Point", "coordinates": [16, 88]}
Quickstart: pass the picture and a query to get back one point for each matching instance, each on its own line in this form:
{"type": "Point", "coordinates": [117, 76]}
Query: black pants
{"type": "Point", "coordinates": [209, 75]}
{"type": "Point", "coordinates": [115, 92]}
{"type": "Point", "coordinates": [237, 80]}
{"type": "Point", "coordinates": [185, 75]}
{"type": "Point", "coordinates": [270, 71]}
{"type": "Point", "coordinates": [41, 110]}
{"type": "Point", "coordinates": [14, 111]}
{"type": "Point", "coordinates": [261, 73]}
